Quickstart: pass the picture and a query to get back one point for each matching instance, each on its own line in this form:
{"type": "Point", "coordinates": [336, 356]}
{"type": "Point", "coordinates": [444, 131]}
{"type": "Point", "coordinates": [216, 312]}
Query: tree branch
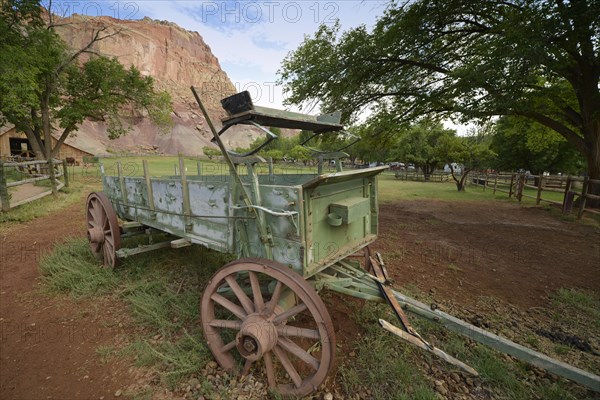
{"type": "Point", "coordinates": [567, 133]}
{"type": "Point", "coordinates": [413, 63]}
{"type": "Point", "coordinates": [87, 48]}
{"type": "Point", "coordinates": [62, 139]}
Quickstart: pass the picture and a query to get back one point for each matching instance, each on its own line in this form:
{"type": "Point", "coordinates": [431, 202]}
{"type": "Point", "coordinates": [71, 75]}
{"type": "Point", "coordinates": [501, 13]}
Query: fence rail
{"type": "Point", "coordinates": [419, 177]}
{"type": "Point", "coordinates": [514, 184]}
{"type": "Point", "coordinates": [31, 171]}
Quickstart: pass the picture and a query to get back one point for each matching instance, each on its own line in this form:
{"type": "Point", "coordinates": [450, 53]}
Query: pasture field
{"type": "Point", "coordinates": [516, 270]}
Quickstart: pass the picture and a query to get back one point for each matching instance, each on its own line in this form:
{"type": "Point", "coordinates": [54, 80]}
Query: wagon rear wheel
{"type": "Point", "coordinates": [246, 326]}
{"type": "Point", "coordinates": [103, 229]}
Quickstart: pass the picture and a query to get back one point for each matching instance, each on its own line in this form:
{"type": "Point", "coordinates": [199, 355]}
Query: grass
{"type": "Point", "coordinates": [78, 188]}
{"type": "Point", "coordinates": [162, 291]}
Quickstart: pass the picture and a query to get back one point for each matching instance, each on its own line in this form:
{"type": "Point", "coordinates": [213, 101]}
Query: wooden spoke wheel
{"type": "Point", "coordinates": [103, 229]}
{"type": "Point", "coordinates": [246, 327]}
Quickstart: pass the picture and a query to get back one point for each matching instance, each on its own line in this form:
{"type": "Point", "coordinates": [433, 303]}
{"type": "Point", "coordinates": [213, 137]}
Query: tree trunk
{"type": "Point", "coordinates": [593, 160]}
{"type": "Point", "coordinates": [45, 109]}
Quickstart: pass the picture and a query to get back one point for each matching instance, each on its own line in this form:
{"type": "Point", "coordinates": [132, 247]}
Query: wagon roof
{"type": "Point", "coordinates": [343, 176]}
{"type": "Point", "coordinates": [282, 119]}
{"type": "Point", "coordinates": [240, 109]}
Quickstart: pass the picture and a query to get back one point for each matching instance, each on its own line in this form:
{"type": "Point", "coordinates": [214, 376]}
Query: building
{"type": "Point", "coordinates": [14, 143]}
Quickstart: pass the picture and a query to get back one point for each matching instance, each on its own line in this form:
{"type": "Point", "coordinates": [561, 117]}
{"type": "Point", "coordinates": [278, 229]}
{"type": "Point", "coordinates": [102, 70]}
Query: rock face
{"type": "Point", "coordinates": [176, 59]}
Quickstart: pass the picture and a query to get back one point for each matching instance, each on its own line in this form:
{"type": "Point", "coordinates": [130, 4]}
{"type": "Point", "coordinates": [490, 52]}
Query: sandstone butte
{"type": "Point", "coordinates": [176, 59]}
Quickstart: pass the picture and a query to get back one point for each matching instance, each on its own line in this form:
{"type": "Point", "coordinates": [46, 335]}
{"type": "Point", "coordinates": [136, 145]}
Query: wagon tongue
{"type": "Point", "coordinates": [409, 333]}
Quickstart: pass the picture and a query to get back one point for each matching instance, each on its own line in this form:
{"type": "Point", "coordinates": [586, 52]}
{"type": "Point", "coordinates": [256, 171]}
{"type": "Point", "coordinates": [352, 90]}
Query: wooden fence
{"type": "Point", "coordinates": [569, 186]}
{"type": "Point", "coordinates": [29, 172]}
{"type": "Point", "coordinates": [419, 177]}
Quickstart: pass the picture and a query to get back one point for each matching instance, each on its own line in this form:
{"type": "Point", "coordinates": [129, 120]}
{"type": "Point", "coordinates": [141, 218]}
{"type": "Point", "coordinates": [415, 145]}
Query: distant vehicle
{"type": "Point", "coordinates": [397, 166]}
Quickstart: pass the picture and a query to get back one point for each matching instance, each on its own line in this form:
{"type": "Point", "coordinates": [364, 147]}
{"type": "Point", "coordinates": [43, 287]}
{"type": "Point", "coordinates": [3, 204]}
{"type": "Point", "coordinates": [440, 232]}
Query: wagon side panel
{"type": "Point", "coordinates": [286, 231]}
{"type": "Point", "coordinates": [209, 204]}
{"type": "Point", "coordinates": [340, 219]}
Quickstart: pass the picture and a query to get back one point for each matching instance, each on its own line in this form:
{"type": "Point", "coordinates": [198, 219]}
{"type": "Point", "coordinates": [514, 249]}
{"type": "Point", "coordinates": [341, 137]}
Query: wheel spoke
{"type": "Point", "coordinates": [106, 254]}
{"type": "Point", "coordinates": [239, 293]}
{"type": "Point", "coordinates": [225, 323]}
{"type": "Point", "coordinates": [247, 366]}
{"type": "Point", "coordinates": [294, 331]}
{"type": "Point", "coordinates": [259, 303]}
{"type": "Point", "coordinates": [234, 308]}
{"type": "Point", "coordinates": [274, 298]}
{"type": "Point", "coordinates": [284, 316]}
{"type": "Point", "coordinates": [270, 369]}
{"type": "Point", "coordinates": [228, 347]}
{"type": "Point", "coordinates": [286, 363]}
{"type": "Point", "coordinates": [298, 351]}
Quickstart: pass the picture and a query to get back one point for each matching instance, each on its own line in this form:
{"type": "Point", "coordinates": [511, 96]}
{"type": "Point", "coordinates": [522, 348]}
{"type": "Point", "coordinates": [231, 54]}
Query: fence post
{"type": "Point", "coordinates": [567, 196]}
{"type": "Point", "coordinates": [485, 179]}
{"type": "Point", "coordinates": [510, 189]}
{"type": "Point", "coordinates": [583, 197]}
{"type": "Point", "coordinates": [65, 172]}
{"type": "Point", "coordinates": [495, 183]}
{"type": "Point", "coordinates": [539, 191]}
{"type": "Point", "coordinates": [520, 186]}
{"type": "Point", "coordinates": [4, 197]}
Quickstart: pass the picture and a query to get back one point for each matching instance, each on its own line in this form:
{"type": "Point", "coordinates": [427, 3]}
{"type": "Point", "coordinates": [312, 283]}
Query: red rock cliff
{"type": "Point", "coordinates": [176, 59]}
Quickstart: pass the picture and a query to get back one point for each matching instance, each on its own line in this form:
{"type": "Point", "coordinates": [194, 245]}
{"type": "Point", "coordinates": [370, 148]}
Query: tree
{"type": "Point", "coordinates": [468, 152]}
{"type": "Point", "coordinates": [458, 58]}
{"type": "Point", "coordinates": [523, 144]}
{"type": "Point", "coordinates": [274, 154]}
{"type": "Point", "coordinates": [46, 87]}
{"type": "Point", "coordinates": [300, 153]}
{"type": "Point", "coordinates": [419, 145]}
{"type": "Point", "coordinates": [211, 152]}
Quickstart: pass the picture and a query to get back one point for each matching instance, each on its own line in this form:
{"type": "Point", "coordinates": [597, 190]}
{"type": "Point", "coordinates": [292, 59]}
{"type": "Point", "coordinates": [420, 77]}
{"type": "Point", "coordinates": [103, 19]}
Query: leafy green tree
{"type": "Point", "coordinates": [276, 155]}
{"type": "Point", "coordinates": [211, 152]}
{"type": "Point", "coordinates": [47, 88]}
{"type": "Point", "coordinates": [460, 58]}
{"type": "Point", "coordinates": [468, 152]}
{"type": "Point", "coordinates": [300, 153]}
{"type": "Point", "coordinates": [523, 144]}
{"type": "Point", "coordinates": [419, 145]}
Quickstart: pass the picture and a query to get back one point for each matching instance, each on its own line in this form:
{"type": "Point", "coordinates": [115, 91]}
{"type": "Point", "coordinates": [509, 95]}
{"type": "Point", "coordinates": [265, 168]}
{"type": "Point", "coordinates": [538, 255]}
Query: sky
{"type": "Point", "coordinates": [250, 38]}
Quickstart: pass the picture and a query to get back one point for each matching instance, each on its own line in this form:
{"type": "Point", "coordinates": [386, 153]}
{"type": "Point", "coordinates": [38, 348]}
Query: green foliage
{"type": "Point", "coordinates": [45, 86]}
{"type": "Point", "coordinates": [275, 154]}
{"type": "Point", "coordinates": [461, 59]}
{"type": "Point", "coordinates": [211, 152]}
{"type": "Point", "coordinates": [420, 145]}
{"type": "Point", "coordinates": [300, 153]}
{"type": "Point", "coordinates": [523, 144]}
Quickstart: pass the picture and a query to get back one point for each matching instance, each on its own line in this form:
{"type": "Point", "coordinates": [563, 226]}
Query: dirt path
{"type": "Point", "coordinates": [48, 345]}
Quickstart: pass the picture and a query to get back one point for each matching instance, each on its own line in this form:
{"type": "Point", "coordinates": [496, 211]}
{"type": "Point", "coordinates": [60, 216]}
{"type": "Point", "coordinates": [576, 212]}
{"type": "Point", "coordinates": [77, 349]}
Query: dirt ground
{"type": "Point", "coordinates": [454, 251]}
{"type": "Point", "coordinates": [462, 251]}
{"type": "Point", "coordinates": [48, 345]}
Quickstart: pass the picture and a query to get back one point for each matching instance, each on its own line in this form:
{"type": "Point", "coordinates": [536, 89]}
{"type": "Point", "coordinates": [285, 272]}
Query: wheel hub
{"type": "Point", "coordinates": [96, 236]}
{"type": "Point", "coordinates": [256, 337]}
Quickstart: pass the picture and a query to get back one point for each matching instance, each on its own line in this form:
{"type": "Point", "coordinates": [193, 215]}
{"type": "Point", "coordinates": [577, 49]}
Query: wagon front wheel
{"type": "Point", "coordinates": [258, 314]}
{"type": "Point", "coordinates": [103, 230]}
